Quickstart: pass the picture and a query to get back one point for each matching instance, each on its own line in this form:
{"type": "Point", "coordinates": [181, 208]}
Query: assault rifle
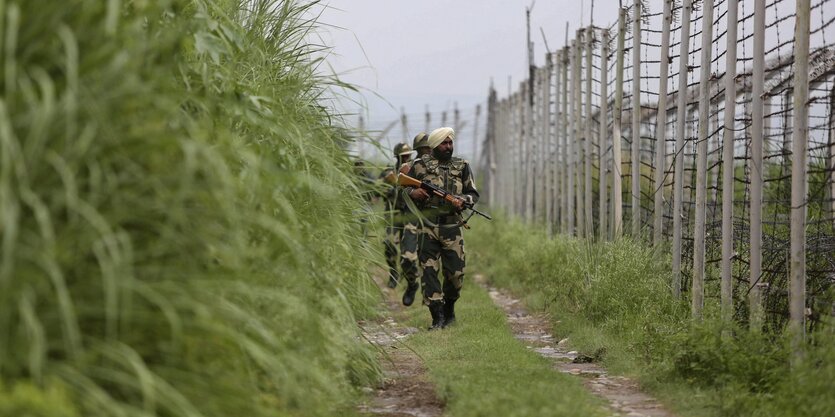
{"type": "Point", "coordinates": [406, 181]}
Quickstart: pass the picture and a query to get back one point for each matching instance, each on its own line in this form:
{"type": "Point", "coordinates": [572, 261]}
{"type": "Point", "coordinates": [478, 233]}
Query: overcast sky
{"type": "Point", "coordinates": [437, 52]}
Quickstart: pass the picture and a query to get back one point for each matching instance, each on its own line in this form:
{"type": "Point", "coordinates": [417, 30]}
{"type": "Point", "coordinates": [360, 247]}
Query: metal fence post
{"type": "Point", "coordinates": [617, 131]}
{"type": "Point", "coordinates": [547, 154]}
{"type": "Point", "coordinates": [728, 163]}
{"type": "Point", "coordinates": [756, 166]}
{"type": "Point", "coordinates": [603, 136]}
{"type": "Point", "coordinates": [681, 130]}
{"type": "Point", "coordinates": [572, 151]}
{"type": "Point", "coordinates": [697, 301]}
{"type": "Point", "coordinates": [567, 215]}
{"type": "Point", "coordinates": [636, 119]}
{"type": "Point", "coordinates": [587, 188]}
{"type": "Point", "coordinates": [528, 137]}
{"type": "Point", "coordinates": [578, 133]}
{"type": "Point", "coordinates": [557, 162]}
{"type": "Point", "coordinates": [797, 272]}
{"type": "Point", "coordinates": [661, 127]}
{"type": "Point", "coordinates": [428, 120]}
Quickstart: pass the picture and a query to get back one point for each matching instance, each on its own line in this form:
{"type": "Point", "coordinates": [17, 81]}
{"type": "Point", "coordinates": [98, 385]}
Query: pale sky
{"type": "Point", "coordinates": [438, 52]}
{"type": "Point", "coordinates": [435, 53]}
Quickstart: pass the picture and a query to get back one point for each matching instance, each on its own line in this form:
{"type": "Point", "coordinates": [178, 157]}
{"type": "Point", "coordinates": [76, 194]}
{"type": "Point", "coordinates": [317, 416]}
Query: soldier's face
{"type": "Point", "coordinates": [444, 151]}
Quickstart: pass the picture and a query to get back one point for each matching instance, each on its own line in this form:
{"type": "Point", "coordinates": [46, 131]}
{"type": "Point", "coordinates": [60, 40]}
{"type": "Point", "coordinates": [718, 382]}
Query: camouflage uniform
{"type": "Point", "coordinates": [394, 227]}
{"type": "Point", "coordinates": [395, 207]}
{"type": "Point", "coordinates": [409, 262]}
{"type": "Point", "coordinates": [441, 238]}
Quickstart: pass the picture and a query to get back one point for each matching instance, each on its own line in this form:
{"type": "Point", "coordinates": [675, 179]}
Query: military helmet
{"type": "Point", "coordinates": [402, 149]}
{"type": "Point", "coordinates": [421, 141]}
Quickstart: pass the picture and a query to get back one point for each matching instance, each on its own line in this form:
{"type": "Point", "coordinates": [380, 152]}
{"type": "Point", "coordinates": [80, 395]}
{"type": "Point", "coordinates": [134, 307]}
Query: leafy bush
{"type": "Point", "coordinates": [176, 211]}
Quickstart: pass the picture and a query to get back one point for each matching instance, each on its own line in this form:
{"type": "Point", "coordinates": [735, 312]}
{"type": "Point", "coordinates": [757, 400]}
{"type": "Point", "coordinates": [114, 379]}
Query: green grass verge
{"type": "Point", "coordinates": [614, 300]}
{"type": "Point", "coordinates": [480, 369]}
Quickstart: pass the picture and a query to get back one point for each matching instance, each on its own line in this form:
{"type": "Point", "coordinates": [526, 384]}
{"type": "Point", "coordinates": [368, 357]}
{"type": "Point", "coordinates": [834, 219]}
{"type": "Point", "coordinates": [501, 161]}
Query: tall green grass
{"type": "Point", "coordinates": [613, 301]}
{"type": "Point", "coordinates": [177, 231]}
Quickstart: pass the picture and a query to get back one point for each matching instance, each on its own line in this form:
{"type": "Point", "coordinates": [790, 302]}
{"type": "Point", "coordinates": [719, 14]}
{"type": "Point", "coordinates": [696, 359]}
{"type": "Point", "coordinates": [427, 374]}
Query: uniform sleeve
{"type": "Point", "coordinates": [418, 172]}
{"type": "Point", "coordinates": [469, 191]}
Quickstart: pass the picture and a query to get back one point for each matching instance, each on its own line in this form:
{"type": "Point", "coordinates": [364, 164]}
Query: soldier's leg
{"type": "Point", "coordinates": [430, 258]}
{"type": "Point", "coordinates": [409, 262]}
{"type": "Point", "coordinates": [391, 241]}
{"type": "Point", "coordinates": [453, 258]}
{"type": "Point", "coordinates": [409, 252]}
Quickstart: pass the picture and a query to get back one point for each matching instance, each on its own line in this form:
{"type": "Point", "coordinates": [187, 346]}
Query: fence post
{"type": "Point", "coordinates": [512, 148]}
{"type": "Point", "coordinates": [617, 131]}
{"type": "Point", "coordinates": [567, 214]}
{"type": "Point", "coordinates": [681, 130]}
{"type": "Point", "coordinates": [543, 177]}
{"type": "Point", "coordinates": [476, 156]}
{"type": "Point", "coordinates": [556, 161]}
{"type": "Point", "coordinates": [602, 137]}
{"type": "Point", "coordinates": [756, 167]}
{"type": "Point", "coordinates": [578, 134]}
{"type": "Point", "coordinates": [636, 119]}
{"type": "Point", "coordinates": [456, 117]}
{"type": "Point", "coordinates": [587, 188]}
{"type": "Point", "coordinates": [661, 126]}
{"type": "Point", "coordinates": [797, 273]}
{"type": "Point", "coordinates": [528, 135]}
{"type": "Point", "coordinates": [547, 153]}
{"type": "Point", "coordinates": [830, 155]}
{"type": "Point", "coordinates": [728, 163]}
{"type": "Point", "coordinates": [490, 143]}
{"type": "Point", "coordinates": [572, 174]}
{"type": "Point", "coordinates": [404, 124]}
{"type": "Point", "coordinates": [428, 120]}
{"type": "Point", "coordinates": [701, 162]}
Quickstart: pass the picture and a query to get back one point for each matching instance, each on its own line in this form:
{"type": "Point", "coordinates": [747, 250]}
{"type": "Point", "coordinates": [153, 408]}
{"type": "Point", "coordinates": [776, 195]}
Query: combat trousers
{"type": "Point", "coordinates": [442, 247]}
{"type": "Point", "coordinates": [409, 262]}
{"type": "Point", "coordinates": [394, 234]}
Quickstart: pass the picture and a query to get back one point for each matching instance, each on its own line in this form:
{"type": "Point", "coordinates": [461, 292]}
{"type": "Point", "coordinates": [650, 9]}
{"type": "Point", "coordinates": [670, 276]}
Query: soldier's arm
{"type": "Point", "coordinates": [469, 192]}
{"type": "Point", "coordinates": [417, 171]}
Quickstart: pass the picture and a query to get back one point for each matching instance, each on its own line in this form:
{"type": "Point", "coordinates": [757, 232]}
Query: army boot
{"type": "Point", "coordinates": [436, 308]}
{"type": "Point", "coordinates": [409, 295]}
{"type": "Point", "coordinates": [449, 312]}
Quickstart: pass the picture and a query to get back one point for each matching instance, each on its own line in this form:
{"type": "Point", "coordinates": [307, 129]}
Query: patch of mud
{"type": "Point", "coordinates": [622, 394]}
{"type": "Point", "coordinates": [406, 390]}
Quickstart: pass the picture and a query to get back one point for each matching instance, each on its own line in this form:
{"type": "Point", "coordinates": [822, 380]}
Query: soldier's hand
{"type": "Point", "coordinates": [458, 203]}
{"type": "Point", "coordinates": [419, 194]}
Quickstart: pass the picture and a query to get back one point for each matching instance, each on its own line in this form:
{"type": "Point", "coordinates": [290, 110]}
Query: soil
{"type": "Point", "coordinates": [405, 390]}
{"type": "Point", "coordinates": [622, 394]}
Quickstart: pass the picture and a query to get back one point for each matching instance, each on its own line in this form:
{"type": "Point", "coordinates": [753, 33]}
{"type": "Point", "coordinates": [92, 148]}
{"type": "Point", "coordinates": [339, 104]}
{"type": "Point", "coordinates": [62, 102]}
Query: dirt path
{"type": "Point", "coordinates": [406, 390]}
{"type": "Point", "coordinates": [622, 394]}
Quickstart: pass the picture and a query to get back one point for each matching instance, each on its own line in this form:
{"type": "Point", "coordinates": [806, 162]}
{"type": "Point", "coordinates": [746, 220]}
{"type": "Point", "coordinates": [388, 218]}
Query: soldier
{"type": "Point", "coordinates": [394, 208]}
{"type": "Point", "coordinates": [441, 240]}
{"type": "Point", "coordinates": [409, 261]}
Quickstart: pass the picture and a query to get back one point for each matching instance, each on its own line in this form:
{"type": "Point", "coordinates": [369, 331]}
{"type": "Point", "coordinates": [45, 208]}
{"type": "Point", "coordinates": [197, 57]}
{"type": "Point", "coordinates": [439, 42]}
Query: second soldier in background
{"type": "Point", "coordinates": [409, 261]}
{"type": "Point", "coordinates": [395, 210]}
